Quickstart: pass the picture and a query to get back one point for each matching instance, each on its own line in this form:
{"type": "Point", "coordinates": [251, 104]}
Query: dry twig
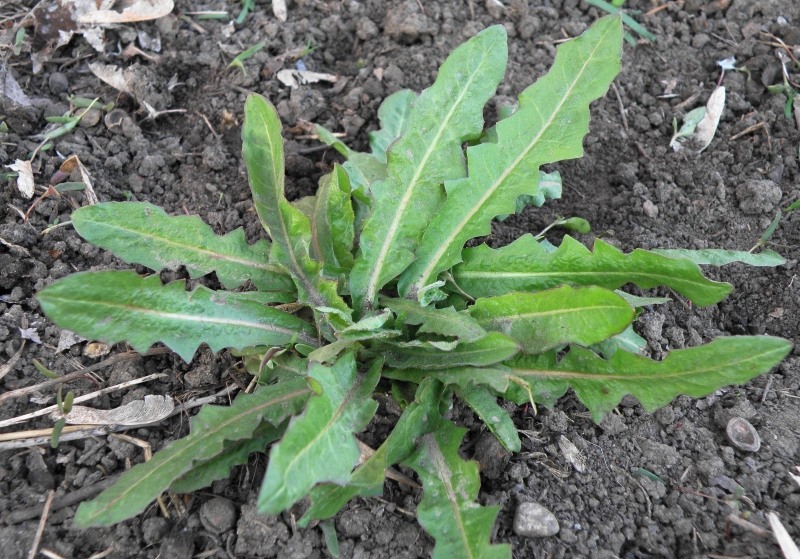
{"type": "Point", "coordinates": [42, 522]}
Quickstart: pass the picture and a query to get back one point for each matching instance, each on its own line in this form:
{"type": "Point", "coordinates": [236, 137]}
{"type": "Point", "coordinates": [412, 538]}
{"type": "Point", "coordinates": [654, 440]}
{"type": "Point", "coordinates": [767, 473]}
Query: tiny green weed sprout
{"type": "Point", "coordinates": [367, 286]}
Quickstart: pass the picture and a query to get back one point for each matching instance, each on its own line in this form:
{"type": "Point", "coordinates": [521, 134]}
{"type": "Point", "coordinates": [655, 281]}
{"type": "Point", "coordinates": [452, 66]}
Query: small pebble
{"type": "Point", "coordinates": [532, 520]}
{"type": "Point", "coordinates": [743, 435]}
{"type": "Point", "coordinates": [58, 83]}
{"type": "Point", "coordinates": [113, 120]}
{"type": "Point", "coordinates": [650, 209]}
{"type": "Point", "coordinates": [218, 515]}
{"type": "Point", "coordinates": [90, 118]}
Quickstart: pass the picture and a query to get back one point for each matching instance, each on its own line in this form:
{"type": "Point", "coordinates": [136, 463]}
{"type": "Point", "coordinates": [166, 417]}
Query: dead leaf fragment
{"type": "Point", "coordinates": [25, 182]}
{"type": "Point", "coordinates": [30, 334]}
{"type": "Point", "coordinates": [56, 22]}
{"type": "Point", "coordinates": [572, 454]}
{"type": "Point", "coordinates": [67, 339]}
{"type": "Point", "coordinates": [295, 78]}
{"type": "Point", "coordinates": [114, 76]}
{"type": "Point", "coordinates": [139, 412]}
{"type": "Point", "coordinates": [72, 163]}
{"type": "Point", "coordinates": [96, 349]}
{"type": "Point", "coordinates": [132, 10]}
{"type": "Point", "coordinates": [707, 127]}
{"type": "Point", "coordinates": [788, 547]}
{"type": "Point", "coordinates": [279, 9]}
{"type": "Point", "coordinates": [11, 94]}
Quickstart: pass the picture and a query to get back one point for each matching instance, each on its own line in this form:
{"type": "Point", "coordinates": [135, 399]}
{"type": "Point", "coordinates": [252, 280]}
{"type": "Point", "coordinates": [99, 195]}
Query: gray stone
{"type": "Point", "coordinates": [218, 515]}
{"type": "Point", "coordinates": [532, 520]}
{"type": "Point", "coordinates": [743, 435]}
{"type": "Point", "coordinates": [491, 456]}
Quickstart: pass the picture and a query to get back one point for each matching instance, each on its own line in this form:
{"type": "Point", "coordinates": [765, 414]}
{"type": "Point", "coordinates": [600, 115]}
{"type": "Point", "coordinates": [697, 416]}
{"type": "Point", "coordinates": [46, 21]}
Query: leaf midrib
{"type": "Point", "coordinates": [192, 248]}
{"type": "Point", "coordinates": [285, 241]}
{"type": "Point", "coordinates": [475, 274]}
{"type": "Point", "coordinates": [571, 374]}
{"type": "Point", "coordinates": [445, 475]}
{"type": "Point", "coordinates": [555, 312]}
{"type": "Point", "coordinates": [182, 317]}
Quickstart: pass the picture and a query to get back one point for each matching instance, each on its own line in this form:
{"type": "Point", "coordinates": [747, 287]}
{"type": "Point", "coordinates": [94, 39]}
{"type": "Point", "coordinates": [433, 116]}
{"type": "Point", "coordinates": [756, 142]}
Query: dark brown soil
{"type": "Point", "coordinates": [656, 485]}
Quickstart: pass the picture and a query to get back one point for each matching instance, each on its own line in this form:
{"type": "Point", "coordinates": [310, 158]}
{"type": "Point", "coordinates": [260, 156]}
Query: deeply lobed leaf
{"type": "Point", "coordinates": [432, 320]}
{"type": "Point", "coordinates": [120, 306]}
{"type": "Point", "coordinates": [420, 417]}
{"type": "Point", "coordinates": [448, 510]}
{"type": "Point", "coordinates": [697, 371]}
{"type": "Point", "coordinates": [525, 266]}
{"type": "Point", "coordinates": [141, 233]}
{"type": "Point", "coordinates": [319, 446]}
{"type": "Point", "coordinates": [552, 119]}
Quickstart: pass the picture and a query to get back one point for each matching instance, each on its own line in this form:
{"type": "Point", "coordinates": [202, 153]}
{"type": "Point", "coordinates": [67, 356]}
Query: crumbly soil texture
{"type": "Point", "coordinates": [664, 484]}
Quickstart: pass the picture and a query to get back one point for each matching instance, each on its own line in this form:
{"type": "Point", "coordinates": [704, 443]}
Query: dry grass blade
{"type": "Point", "coordinates": [788, 547]}
{"type": "Point", "coordinates": [84, 398]}
{"type": "Point", "coordinates": [40, 530]}
{"type": "Point", "coordinates": [81, 373]}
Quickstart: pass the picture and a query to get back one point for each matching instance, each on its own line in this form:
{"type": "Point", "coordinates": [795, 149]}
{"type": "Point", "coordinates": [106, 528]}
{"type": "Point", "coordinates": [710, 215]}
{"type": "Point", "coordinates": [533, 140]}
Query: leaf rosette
{"type": "Point", "coordinates": [368, 286]}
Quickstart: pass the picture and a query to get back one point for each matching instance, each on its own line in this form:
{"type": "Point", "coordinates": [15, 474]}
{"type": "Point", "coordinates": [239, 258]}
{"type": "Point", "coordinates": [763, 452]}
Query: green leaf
{"type": "Point", "coordinates": [141, 233]}
{"type": "Point", "coordinates": [394, 115]}
{"type": "Point", "coordinates": [211, 428]}
{"type": "Point", "coordinates": [289, 228]}
{"type": "Point", "coordinates": [492, 348]}
{"type": "Point", "coordinates": [319, 445]}
{"type": "Point", "coordinates": [697, 371]}
{"type": "Point", "coordinates": [496, 377]}
{"type": "Point", "coordinates": [330, 537]}
{"type": "Point", "coordinates": [549, 188]}
{"type": "Point", "coordinates": [628, 340]}
{"type": "Point", "coordinates": [332, 223]}
{"type": "Point", "coordinates": [448, 510]}
{"type": "Point", "coordinates": [575, 224]}
{"type": "Point", "coordinates": [362, 168]}
{"type": "Point", "coordinates": [445, 322]}
{"type": "Point", "coordinates": [637, 302]}
{"type": "Point", "coordinates": [484, 403]}
{"type": "Point", "coordinates": [420, 417]}
{"type": "Point", "coordinates": [234, 453]}
{"type": "Point", "coordinates": [547, 319]}
{"type": "Point", "coordinates": [721, 257]}
{"type": "Point", "coordinates": [552, 119]}
{"type": "Point", "coordinates": [120, 306]}
{"type": "Point", "coordinates": [444, 116]}
{"type": "Point", "coordinates": [524, 265]}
